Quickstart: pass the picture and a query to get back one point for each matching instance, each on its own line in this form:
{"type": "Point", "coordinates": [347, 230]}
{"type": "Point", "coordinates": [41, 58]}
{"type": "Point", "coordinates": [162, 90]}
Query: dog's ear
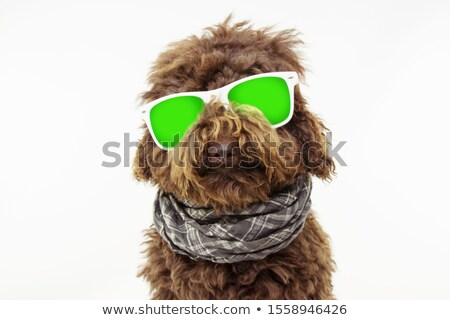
{"type": "Point", "coordinates": [147, 153]}
{"type": "Point", "coordinates": [141, 164]}
{"type": "Point", "coordinates": [310, 132]}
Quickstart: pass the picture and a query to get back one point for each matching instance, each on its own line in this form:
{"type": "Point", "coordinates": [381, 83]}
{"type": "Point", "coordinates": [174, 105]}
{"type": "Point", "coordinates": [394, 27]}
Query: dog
{"type": "Point", "coordinates": [198, 175]}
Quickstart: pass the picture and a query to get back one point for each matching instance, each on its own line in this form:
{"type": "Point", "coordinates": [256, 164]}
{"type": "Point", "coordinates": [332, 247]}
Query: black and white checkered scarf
{"type": "Point", "coordinates": [253, 234]}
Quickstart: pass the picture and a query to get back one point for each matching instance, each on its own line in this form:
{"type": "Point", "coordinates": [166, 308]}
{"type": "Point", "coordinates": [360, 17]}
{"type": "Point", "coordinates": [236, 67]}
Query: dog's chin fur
{"type": "Point", "coordinates": [223, 55]}
{"type": "Point", "coordinates": [221, 188]}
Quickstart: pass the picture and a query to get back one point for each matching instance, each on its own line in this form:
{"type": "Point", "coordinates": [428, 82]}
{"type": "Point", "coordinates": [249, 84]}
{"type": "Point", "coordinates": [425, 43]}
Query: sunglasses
{"type": "Point", "coordinates": [170, 117]}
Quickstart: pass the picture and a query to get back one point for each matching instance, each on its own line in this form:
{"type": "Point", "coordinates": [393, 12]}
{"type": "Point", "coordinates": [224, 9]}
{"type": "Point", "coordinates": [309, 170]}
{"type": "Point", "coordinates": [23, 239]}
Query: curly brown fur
{"type": "Point", "coordinates": [275, 159]}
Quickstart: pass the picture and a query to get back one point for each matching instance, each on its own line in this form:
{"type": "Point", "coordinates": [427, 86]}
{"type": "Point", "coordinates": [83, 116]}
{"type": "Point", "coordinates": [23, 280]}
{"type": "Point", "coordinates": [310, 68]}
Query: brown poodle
{"type": "Point", "coordinates": [226, 53]}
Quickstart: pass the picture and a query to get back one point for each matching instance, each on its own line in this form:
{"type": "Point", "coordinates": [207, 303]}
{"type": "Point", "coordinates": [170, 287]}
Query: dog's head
{"type": "Point", "coordinates": [231, 157]}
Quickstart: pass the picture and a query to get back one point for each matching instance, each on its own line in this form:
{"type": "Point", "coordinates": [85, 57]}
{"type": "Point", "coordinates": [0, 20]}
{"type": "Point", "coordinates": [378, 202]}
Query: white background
{"type": "Point", "coordinates": [70, 75]}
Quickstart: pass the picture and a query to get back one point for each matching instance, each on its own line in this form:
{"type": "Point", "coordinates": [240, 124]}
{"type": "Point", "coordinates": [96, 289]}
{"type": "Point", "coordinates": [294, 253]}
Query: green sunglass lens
{"type": "Point", "coordinates": [269, 94]}
{"type": "Point", "coordinates": [170, 119]}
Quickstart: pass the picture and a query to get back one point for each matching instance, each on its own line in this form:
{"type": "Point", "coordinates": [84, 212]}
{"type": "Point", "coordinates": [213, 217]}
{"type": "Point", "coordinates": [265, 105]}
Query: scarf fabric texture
{"type": "Point", "coordinates": [264, 228]}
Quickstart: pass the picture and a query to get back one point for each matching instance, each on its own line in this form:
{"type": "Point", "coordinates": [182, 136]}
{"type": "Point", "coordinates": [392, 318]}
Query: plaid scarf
{"type": "Point", "coordinates": [264, 228]}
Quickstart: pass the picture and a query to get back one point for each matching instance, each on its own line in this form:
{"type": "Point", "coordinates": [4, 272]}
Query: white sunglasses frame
{"type": "Point", "coordinates": [291, 78]}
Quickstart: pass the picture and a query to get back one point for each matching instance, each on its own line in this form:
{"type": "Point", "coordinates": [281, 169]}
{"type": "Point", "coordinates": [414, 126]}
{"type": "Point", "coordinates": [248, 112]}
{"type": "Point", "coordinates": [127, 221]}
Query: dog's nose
{"type": "Point", "coordinates": [223, 152]}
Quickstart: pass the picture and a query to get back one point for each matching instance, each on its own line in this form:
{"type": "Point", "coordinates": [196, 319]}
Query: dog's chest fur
{"type": "Point", "coordinates": [300, 271]}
